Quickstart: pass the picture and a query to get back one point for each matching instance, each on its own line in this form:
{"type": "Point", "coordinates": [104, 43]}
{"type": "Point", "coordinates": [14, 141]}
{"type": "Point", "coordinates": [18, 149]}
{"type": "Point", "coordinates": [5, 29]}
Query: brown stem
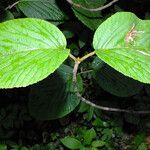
{"type": "Point", "coordinates": [93, 104]}
{"type": "Point", "coordinates": [72, 57]}
{"type": "Point", "coordinates": [87, 56]}
{"type": "Point", "coordinates": [11, 6]}
{"type": "Point", "coordinates": [92, 9]}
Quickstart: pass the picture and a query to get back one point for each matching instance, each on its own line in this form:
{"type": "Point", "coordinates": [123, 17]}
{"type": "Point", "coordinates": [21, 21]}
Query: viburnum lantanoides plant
{"type": "Point", "coordinates": [32, 49]}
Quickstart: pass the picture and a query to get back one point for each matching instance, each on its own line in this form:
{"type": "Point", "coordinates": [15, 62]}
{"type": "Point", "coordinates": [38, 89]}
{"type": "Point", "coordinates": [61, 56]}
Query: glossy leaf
{"type": "Point", "coordinates": [42, 9]}
{"type": "Point", "coordinates": [71, 143]}
{"type": "Point", "coordinates": [114, 45]}
{"type": "Point", "coordinates": [89, 18]}
{"type": "Point", "coordinates": [97, 63]}
{"type": "Point", "coordinates": [54, 97]}
{"type": "Point", "coordinates": [116, 83]}
{"type": "Point", "coordinates": [98, 143]}
{"type": "Point", "coordinates": [30, 50]}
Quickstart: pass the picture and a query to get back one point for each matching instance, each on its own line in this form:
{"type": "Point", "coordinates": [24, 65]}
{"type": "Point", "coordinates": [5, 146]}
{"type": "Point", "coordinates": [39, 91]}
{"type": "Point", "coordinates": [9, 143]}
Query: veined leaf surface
{"type": "Point", "coordinates": [30, 50]}
{"type": "Point", "coordinates": [54, 97]}
{"type": "Point", "coordinates": [89, 18]}
{"type": "Point", "coordinates": [128, 54]}
{"type": "Point", "coordinates": [42, 9]}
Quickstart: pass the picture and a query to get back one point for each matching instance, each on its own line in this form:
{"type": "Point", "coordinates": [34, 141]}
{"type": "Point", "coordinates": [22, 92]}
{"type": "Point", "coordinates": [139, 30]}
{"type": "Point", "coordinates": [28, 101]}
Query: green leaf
{"type": "Point", "coordinates": [71, 143]}
{"type": "Point", "coordinates": [54, 97]}
{"type": "Point", "coordinates": [24, 148]}
{"type": "Point", "coordinates": [89, 18]}
{"type": "Point", "coordinates": [138, 139]}
{"type": "Point", "coordinates": [89, 136]}
{"type": "Point", "coordinates": [98, 122]}
{"type": "Point", "coordinates": [68, 34]}
{"type": "Point", "coordinates": [6, 15]}
{"type": "Point", "coordinates": [97, 63]}
{"type": "Point", "coordinates": [30, 50]}
{"type": "Point", "coordinates": [143, 146]}
{"type": "Point", "coordinates": [89, 115]}
{"type": "Point", "coordinates": [3, 147]}
{"type": "Point", "coordinates": [42, 9]}
{"type": "Point", "coordinates": [93, 148]}
{"type": "Point", "coordinates": [116, 83]}
{"type": "Point", "coordinates": [83, 107]}
{"type": "Point", "coordinates": [98, 143]}
{"type": "Point", "coordinates": [132, 58]}
{"type": "Point", "coordinates": [107, 134]}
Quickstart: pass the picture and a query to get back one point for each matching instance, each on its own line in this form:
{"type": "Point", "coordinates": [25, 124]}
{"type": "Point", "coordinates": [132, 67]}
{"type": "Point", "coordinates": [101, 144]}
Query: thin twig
{"type": "Point", "coordinates": [87, 56]}
{"type": "Point", "coordinates": [92, 9]}
{"type": "Point", "coordinates": [98, 106]}
{"type": "Point", "coordinates": [11, 6]}
{"type": "Point", "coordinates": [72, 57]}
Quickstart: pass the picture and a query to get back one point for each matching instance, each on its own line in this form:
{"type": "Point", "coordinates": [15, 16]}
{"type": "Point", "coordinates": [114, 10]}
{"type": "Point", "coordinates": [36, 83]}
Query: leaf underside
{"type": "Point", "coordinates": [91, 19]}
{"type": "Point", "coordinates": [42, 9]}
{"type": "Point", "coordinates": [54, 97]}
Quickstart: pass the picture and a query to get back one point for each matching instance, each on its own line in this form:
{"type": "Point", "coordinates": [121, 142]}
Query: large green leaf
{"type": "Point", "coordinates": [112, 45]}
{"type": "Point", "coordinates": [116, 83]}
{"type": "Point", "coordinates": [30, 49]}
{"type": "Point", "coordinates": [42, 9]}
{"type": "Point", "coordinates": [54, 97]}
{"type": "Point", "coordinates": [89, 18]}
